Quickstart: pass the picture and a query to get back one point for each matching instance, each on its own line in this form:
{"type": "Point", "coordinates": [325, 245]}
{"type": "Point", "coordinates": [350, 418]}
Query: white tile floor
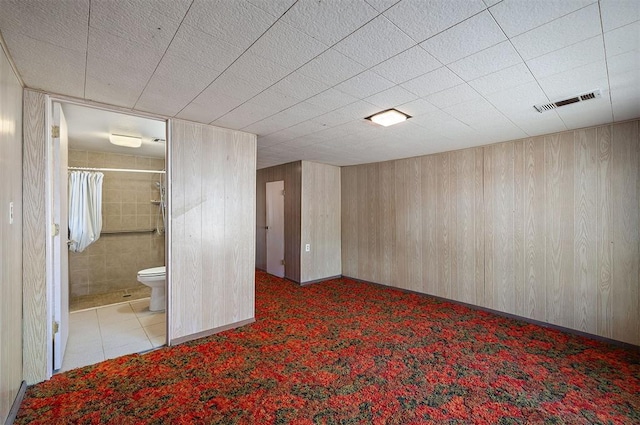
{"type": "Point", "coordinates": [106, 332]}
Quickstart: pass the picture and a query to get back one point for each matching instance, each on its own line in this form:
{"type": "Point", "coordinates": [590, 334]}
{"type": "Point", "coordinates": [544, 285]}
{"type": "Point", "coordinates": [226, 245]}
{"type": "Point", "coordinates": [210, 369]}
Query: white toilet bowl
{"type": "Point", "coordinates": [154, 278]}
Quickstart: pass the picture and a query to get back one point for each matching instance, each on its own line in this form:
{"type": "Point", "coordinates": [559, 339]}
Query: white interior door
{"type": "Point", "coordinates": [275, 228]}
{"type": "Point", "coordinates": [60, 250]}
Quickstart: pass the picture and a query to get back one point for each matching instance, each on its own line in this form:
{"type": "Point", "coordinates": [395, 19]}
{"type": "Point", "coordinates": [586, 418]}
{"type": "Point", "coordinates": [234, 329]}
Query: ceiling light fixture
{"type": "Point", "coordinates": [127, 141]}
{"type": "Point", "coordinates": [388, 117]}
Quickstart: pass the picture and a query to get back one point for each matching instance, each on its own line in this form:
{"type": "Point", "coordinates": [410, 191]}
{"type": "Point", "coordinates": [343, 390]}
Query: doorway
{"type": "Point", "coordinates": [275, 228]}
{"type": "Point", "coordinates": [97, 298]}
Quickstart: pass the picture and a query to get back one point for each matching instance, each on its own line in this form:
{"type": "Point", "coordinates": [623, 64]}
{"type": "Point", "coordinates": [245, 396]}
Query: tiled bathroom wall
{"type": "Point", "coordinates": [112, 262]}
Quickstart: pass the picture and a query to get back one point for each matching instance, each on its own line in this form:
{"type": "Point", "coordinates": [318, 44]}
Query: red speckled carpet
{"type": "Point", "coordinates": [345, 352]}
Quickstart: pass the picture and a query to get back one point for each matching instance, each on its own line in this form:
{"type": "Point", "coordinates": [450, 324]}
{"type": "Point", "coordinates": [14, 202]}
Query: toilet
{"type": "Point", "coordinates": [154, 278]}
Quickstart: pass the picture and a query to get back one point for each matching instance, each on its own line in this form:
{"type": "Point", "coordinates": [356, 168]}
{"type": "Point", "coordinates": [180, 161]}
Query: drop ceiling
{"type": "Point", "coordinates": [303, 74]}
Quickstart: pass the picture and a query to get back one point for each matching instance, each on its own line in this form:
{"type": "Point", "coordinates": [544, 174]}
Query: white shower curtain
{"type": "Point", "coordinates": [85, 209]}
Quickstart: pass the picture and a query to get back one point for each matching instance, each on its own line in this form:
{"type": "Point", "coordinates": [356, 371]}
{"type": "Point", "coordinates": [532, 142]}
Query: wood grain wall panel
{"type": "Point", "coordinates": [559, 218]}
{"type": "Point", "coordinates": [546, 228]}
{"type": "Point", "coordinates": [430, 245]}
{"type": "Point", "coordinates": [626, 228]}
{"type": "Point", "coordinates": [373, 213]}
{"type": "Point", "coordinates": [585, 230]}
{"type": "Point", "coordinates": [212, 201]}
{"type": "Point", "coordinates": [534, 225]}
{"type": "Point", "coordinates": [367, 260]}
{"type": "Point", "coordinates": [443, 214]}
{"type": "Point", "coordinates": [387, 221]}
{"type": "Point", "coordinates": [349, 224]}
{"type": "Point", "coordinates": [604, 311]}
{"type": "Point", "coordinates": [11, 238]}
{"type": "Point", "coordinates": [499, 167]}
{"type": "Point", "coordinates": [291, 174]}
{"type": "Point", "coordinates": [321, 227]}
{"type": "Point", "coordinates": [35, 357]}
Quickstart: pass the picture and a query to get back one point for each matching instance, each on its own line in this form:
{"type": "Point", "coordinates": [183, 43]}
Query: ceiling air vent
{"type": "Point", "coordinates": [580, 98]}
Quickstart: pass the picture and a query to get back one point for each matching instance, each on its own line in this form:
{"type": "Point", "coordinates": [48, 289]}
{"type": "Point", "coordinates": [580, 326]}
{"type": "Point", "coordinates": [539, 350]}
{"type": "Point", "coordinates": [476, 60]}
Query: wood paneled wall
{"type": "Point", "coordinates": [292, 175]}
{"type": "Point", "coordinates": [212, 238]}
{"type": "Point", "coordinates": [546, 228]}
{"type": "Point", "coordinates": [320, 222]}
{"type": "Point", "coordinates": [416, 224]}
{"type": "Point", "coordinates": [36, 357]}
{"type": "Point", "coordinates": [10, 236]}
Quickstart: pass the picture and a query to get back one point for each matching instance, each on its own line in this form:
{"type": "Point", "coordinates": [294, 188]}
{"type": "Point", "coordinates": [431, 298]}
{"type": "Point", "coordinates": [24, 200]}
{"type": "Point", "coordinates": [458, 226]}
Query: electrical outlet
{"type": "Point", "coordinates": [10, 212]}
{"type": "Point", "coordinates": [307, 247]}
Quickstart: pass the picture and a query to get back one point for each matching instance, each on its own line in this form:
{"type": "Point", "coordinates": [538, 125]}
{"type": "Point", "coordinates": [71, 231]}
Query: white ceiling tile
{"type": "Point", "coordinates": [268, 125]}
{"type": "Point", "coordinates": [274, 99]}
{"type": "Point", "coordinates": [34, 58]}
{"type": "Point", "coordinates": [64, 27]}
{"type": "Point", "coordinates": [391, 97]}
{"type": "Point", "coordinates": [356, 110]}
{"type": "Point", "coordinates": [382, 5]}
{"type": "Point", "coordinates": [199, 47]}
{"type": "Point", "coordinates": [150, 23]}
{"type": "Point", "coordinates": [519, 99]}
{"type": "Point", "coordinates": [287, 46]}
{"type": "Point", "coordinates": [331, 20]}
{"type": "Point", "coordinates": [243, 115]}
{"type": "Point", "coordinates": [535, 123]}
{"type": "Point", "coordinates": [113, 89]}
{"type": "Point", "coordinates": [273, 7]}
{"type": "Point", "coordinates": [574, 56]}
{"type": "Point", "coordinates": [584, 114]}
{"type": "Point", "coordinates": [486, 62]}
{"type": "Point", "coordinates": [518, 16]}
{"type": "Point", "coordinates": [245, 69]}
{"type": "Point", "coordinates": [296, 132]}
{"type": "Point", "coordinates": [206, 109]}
{"type": "Point", "coordinates": [626, 103]}
{"type": "Point", "coordinates": [407, 65]}
{"type": "Point", "coordinates": [475, 113]}
{"type": "Point", "coordinates": [432, 120]}
{"type": "Point", "coordinates": [624, 67]}
{"type": "Point", "coordinates": [417, 107]}
{"type": "Point", "coordinates": [235, 22]}
{"type": "Point", "coordinates": [490, 3]}
{"type": "Point", "coordinates": [331, 67]}
{"type": "Point", "coordinates": [503, 79]}
{"type": "Point", "coordinates": [230, 85]}
{"type": "Point", "coordinates": [364, 85]}
{"type": "Point", "coordinates": [466, 38]}
{"type": "Point", "coordinates": [422, 19]}
{"type": "Point", "coordinates": [432, 82]}
{"type": "Point", "coordinates": [623, 39]}
{"type": "Point", "coordinates": [453, 96]}
{"type": "Point", "coordinates": [331, 99]}
{"type": "Point", "coordinates": [575, 81]}
{"type": "Point", "coordinates": [563, 32]}
{"type": "Point", "coordinates": [173, 85]}
{"type": "Point", "coordinates": [375, 42]}
{"type": "Point", "coordinates": [616, 13]}
{"type": "Point", "coordinates": [299, 86]}
{"type": "Point", "coordinates": [301, 112]}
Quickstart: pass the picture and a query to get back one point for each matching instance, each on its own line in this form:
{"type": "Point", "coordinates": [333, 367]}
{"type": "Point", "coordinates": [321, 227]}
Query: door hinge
{"type": "Point", "coordinates": [56, 327]}
{"type": "Point", "coordinates": [283, 193]}
{"type": "Point", "coordinates": [55, 131]}
{"type": "Point", "coordinates": [55, 230]}
{"type": "Point", "coordinates": [282, 262]}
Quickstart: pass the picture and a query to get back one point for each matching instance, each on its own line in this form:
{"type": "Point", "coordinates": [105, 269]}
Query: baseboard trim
{"type": "Point", "coordinates": [16, 404]}
{"type": "Point", "coordinates": [512, 316]}
{"type": "Point", "coordinates": [210, 332]}
{"type": "Point", "coordinates": [324, 279]}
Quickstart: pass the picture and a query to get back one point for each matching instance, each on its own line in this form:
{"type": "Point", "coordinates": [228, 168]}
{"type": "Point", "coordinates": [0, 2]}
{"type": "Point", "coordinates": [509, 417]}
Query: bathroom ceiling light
{"type": "Point", "coordinates": [388, 117]}
{"type": "Point", "coordinates": [128, 141]}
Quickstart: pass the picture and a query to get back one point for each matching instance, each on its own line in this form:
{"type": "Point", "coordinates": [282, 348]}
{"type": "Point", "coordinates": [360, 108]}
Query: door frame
{"type": "Point", "coordinates": [49, 213]}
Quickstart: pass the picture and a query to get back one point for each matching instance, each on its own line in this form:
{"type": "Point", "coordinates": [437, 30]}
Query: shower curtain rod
{"type": "Point", "coordinates": [126, 170]}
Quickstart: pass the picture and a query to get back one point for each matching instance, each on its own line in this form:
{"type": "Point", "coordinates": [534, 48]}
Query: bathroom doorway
{"type": "Point", "coordinates": [112, 250]}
